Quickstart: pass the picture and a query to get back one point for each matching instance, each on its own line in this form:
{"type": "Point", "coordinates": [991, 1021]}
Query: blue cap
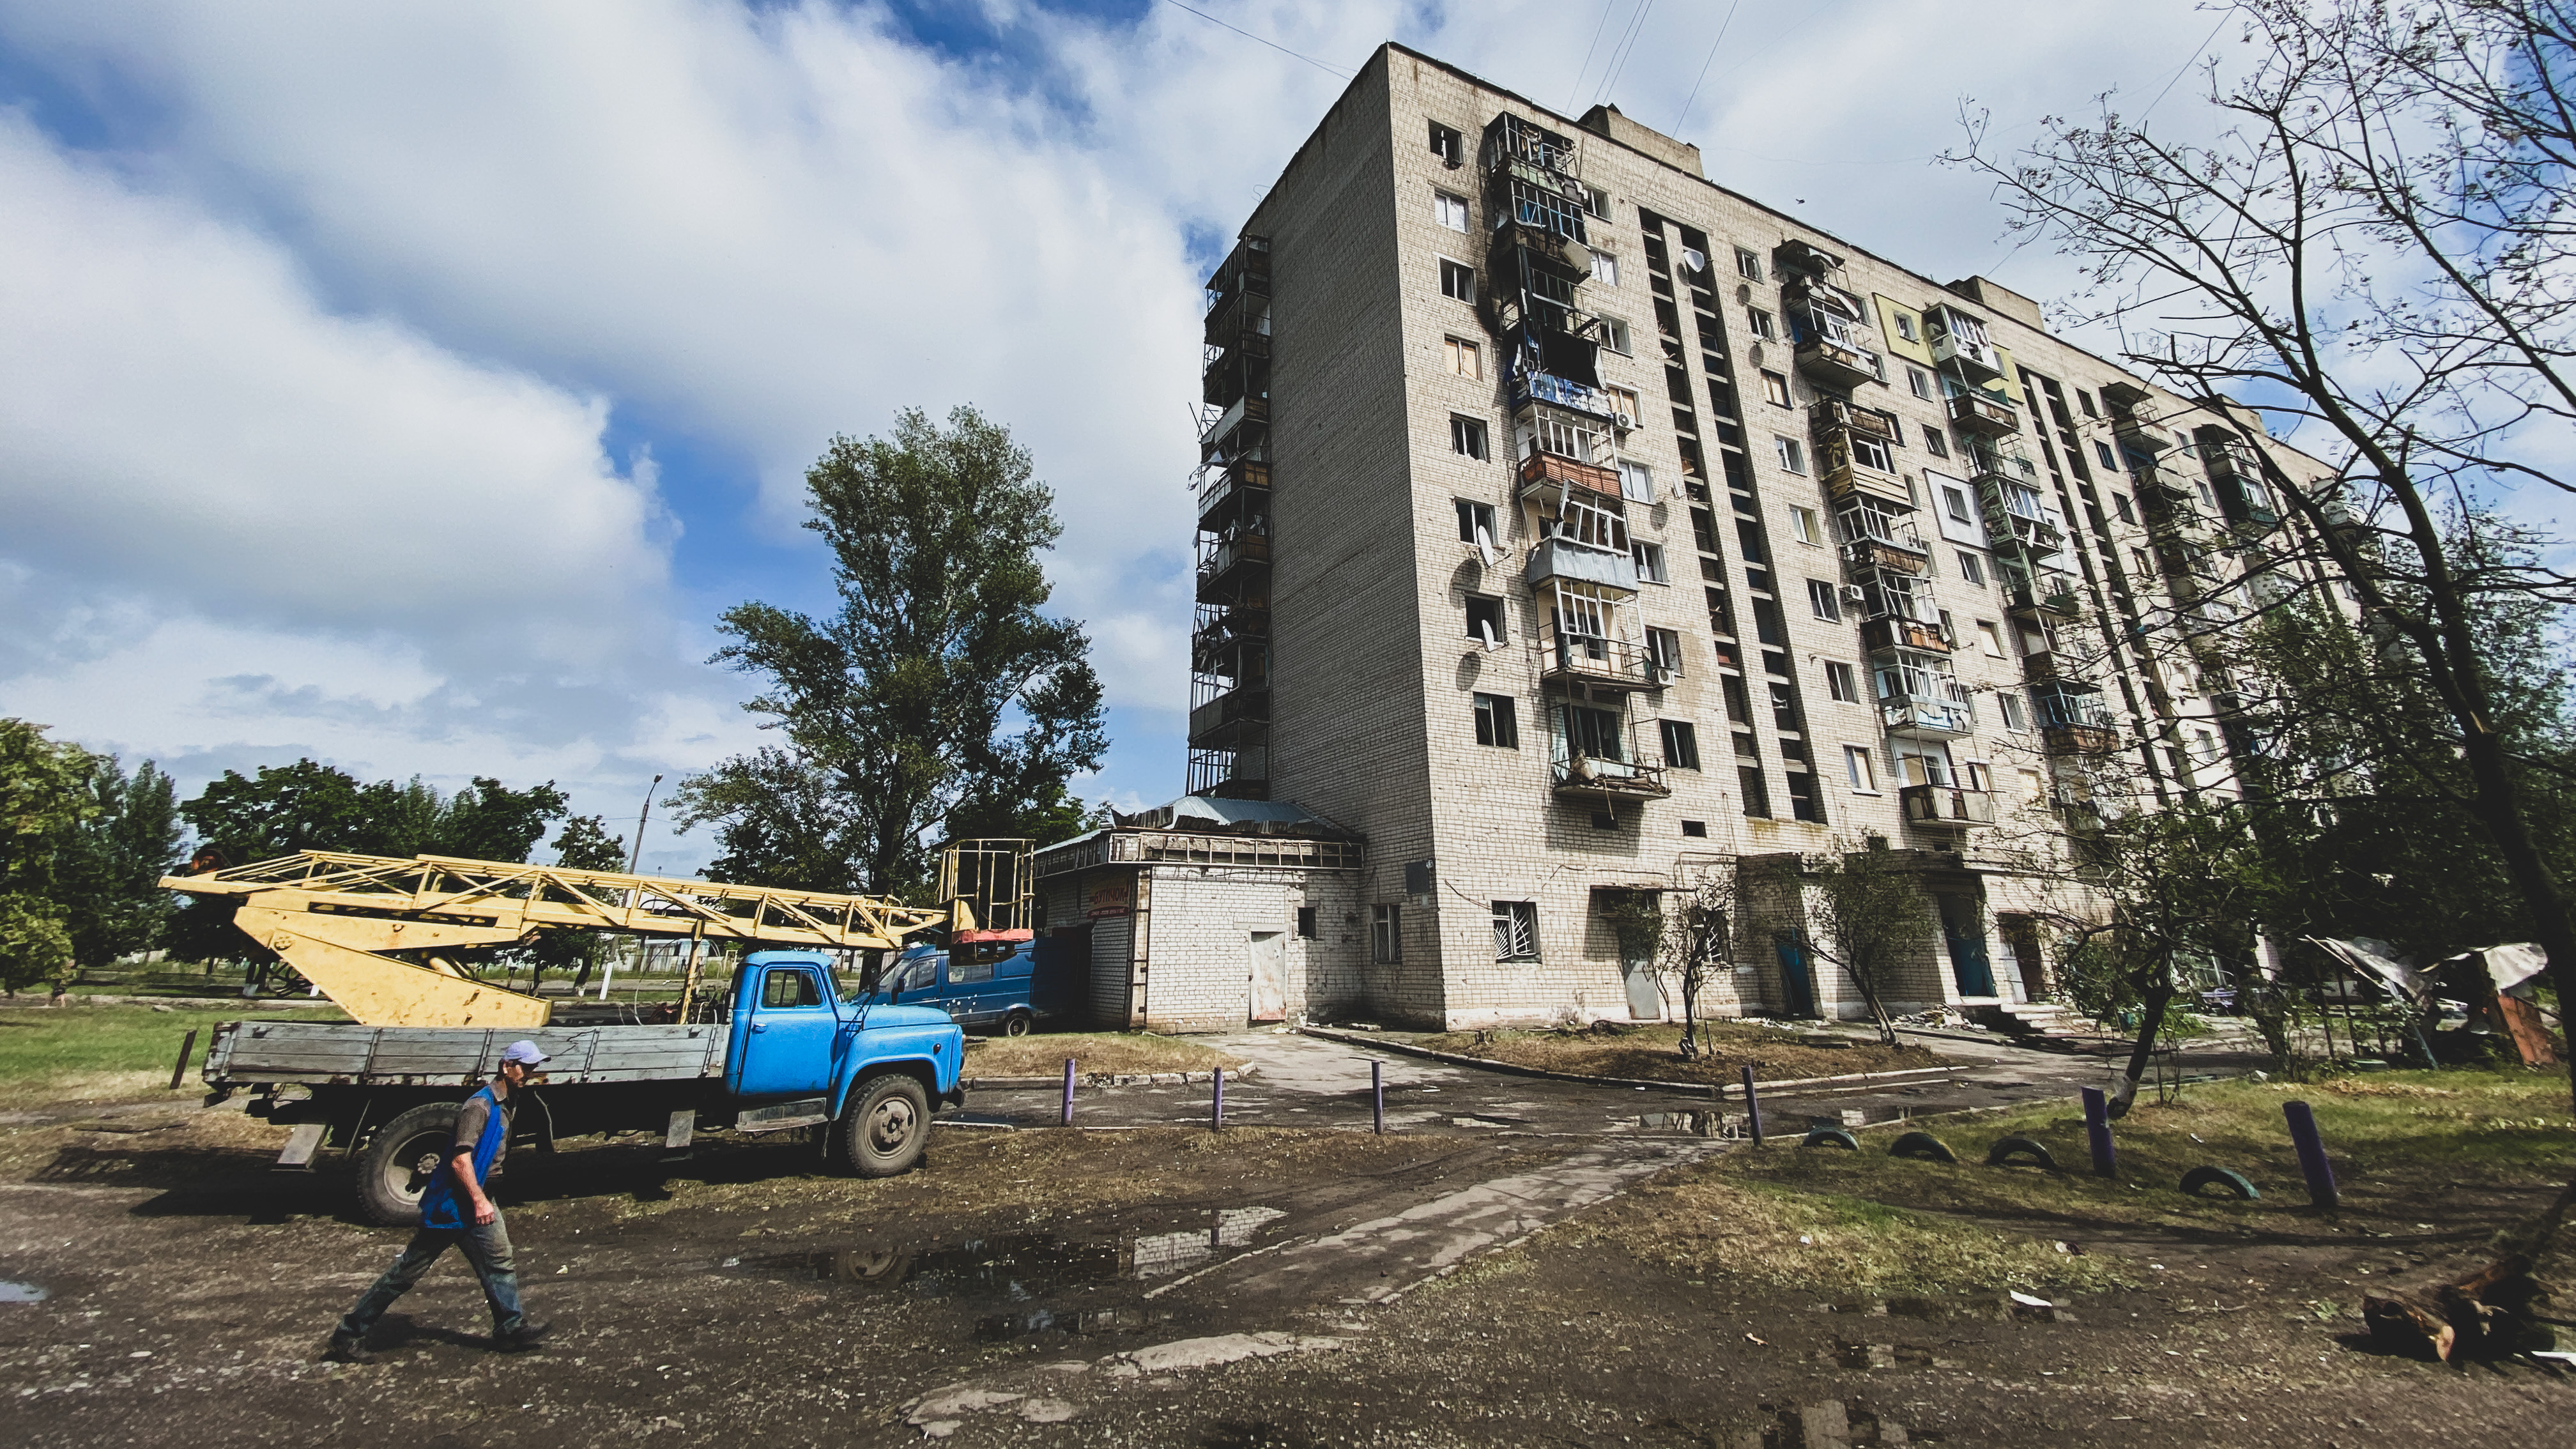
{"type": "Point", "coordinates": [525, 1053]}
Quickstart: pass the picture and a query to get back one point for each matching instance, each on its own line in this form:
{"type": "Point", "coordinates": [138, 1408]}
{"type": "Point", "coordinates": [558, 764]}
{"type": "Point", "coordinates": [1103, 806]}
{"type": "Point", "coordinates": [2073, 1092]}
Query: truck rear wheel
{"type": "Point", "coordinates": [397, 1165]}
{"type": "Point", "coordinates": [886, 1126]}
{"type": "Point", "coordinates": [1017, 1023]}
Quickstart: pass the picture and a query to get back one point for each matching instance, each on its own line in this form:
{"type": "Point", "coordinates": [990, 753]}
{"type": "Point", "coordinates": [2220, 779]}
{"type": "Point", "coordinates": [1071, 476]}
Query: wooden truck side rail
{"type": "Point", "coordinates": [330, 1054]}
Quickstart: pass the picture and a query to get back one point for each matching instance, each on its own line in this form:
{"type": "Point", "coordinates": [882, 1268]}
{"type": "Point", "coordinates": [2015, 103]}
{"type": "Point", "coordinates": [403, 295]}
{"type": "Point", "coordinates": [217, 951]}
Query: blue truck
{"type": "Point", "coordinates": [1010, 988]}
{"type": "Point", "coordinates": [787, 1050]}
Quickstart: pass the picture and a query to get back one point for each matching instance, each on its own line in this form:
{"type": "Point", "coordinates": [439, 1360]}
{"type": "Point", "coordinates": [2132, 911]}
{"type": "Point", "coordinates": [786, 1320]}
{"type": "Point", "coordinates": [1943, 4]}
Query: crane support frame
{"type": "Point", "coordinates": [334, 916]}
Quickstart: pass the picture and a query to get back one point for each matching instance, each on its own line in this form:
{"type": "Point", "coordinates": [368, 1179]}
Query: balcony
{"type": "Point", "coordinates": [1251, 408]}
{"type": "Point", "coordinates": [2058, 667]}
{"type": "Point", "coordinates": [1583, 774]}
{"type": "Point", "coordinates": [2015, 523]}
{"type": "Point", "coordinates": [1947, 805]}
{"type": "Point", "coordinates": [1557, 558]}
{"type": "Point", "coordinates": [1600, 663]}
{"type": "Point", "coordinates": [1231, 563]}
{"type": "Point", "coordinates": [1924, 717]}
{"type": "Point", "coordinates": [2139, 431]}
{"type": "Point", "coordinates": [1843, 480]}
{"type": "Point", "coordinates": [1987, 417]}
{"type": "Point", "coordinates": [1894, 632]}
{"type": "Point", "coordinates": [1230, 718]}
{"type": "Point", "coordinates": [2052, 594]}
{"type": "Point", "coordinates": [1550, 470]}
{"type": "Point", "coordinates": [1836, 365]}
{"type": "Point", "coordinates": [1906, 557]}
{"type": "Point", "coordinates": [1530, 388]}
{"type": "Point", "coordinates": [2077, 739]}
{"type": "Point", "coordinates": [1833, 413]}
{"type": "Point", "coordinates": [1232, 490]}
{"type": "Point", "coordinates": [1970, 358]}
{"type": "Point", "coordinates": [2243, 501]}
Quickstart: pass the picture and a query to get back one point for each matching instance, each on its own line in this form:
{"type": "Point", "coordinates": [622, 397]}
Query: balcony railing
{"type": "Point", "coordinates": [1226, 490]}
{"type": "Point", "coordinates": [1895, 557]}
{"type": "Point", "coordinates": [1602, 663]}
{"type": "Point", "coordinates": [1896, 632]}
{"type": "Point", "coordinates": [1947, 805]}
{"type": "Point", "coordinates": [1582, 774]}
{"type": "Point", "coordinates": [1528, 388]}
{"type": "Point", "coordinates": [1977, 413]}
{"type": "Point", "coordinates": [1924, 717]}
{"type": "Point", "coordinates": [1229, 717]}
{"type": "Point", "coordinates": [2059, 667]}
{"type": "Point", "coordinates": [1230, 562]}
{"type": "Point", "coordinates": [2077, 739]}
{"type": "Point", "coordinates": [2052, 594]}
{"type": "Point", "coordinates": [2139, 429]}
{"type": "Point", "coordinates": [2011, 527]}
{"type": "Point", "coordinates": [1970, 358]}
{"type": "Point", "coordinates": [1832, 413]}
{"type": "Point", "coordinates": [1558, 558]}
{"type": "Point", "coordinates": [1836, 364]}
{"type": "Point", "coordinates": [1845, 479]}
{"type": "Point", "coordinates": [1250, 408]}
{"type": "Point", "coordinates": [1540, 470]}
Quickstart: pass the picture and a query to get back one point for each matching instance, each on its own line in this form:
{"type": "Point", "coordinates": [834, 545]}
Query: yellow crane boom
{"type": "Point", "coordinates": [338, 918]}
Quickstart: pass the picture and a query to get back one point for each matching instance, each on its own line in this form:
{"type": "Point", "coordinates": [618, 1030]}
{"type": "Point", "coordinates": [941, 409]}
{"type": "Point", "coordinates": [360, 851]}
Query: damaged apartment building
{"type": "Point", "coordinates": [1571, 527]}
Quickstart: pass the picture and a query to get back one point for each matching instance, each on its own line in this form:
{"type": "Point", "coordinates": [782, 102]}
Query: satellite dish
{"type": "Point", "coordinates": [1692, 259]}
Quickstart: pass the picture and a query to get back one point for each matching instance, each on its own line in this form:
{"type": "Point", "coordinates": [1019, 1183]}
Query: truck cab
{"type": "Point", "coordinates": [802, 1052]}
{"type": "Point", "coordinates": [1006, 987]}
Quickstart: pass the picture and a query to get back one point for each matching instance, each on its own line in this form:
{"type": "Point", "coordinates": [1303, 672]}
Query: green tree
{"type": "Point", "coordinates": [43, 799]}
{"type": "Point", "coordinates": [937, 693]}
{"type": "Point", "coordinates": [109, 865]}
{"type": "Point", "coordinates": [1867, 911]}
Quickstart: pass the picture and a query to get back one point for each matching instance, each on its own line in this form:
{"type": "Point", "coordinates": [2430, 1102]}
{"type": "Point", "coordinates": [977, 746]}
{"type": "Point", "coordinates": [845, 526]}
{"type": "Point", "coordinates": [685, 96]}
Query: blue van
{"type": "Point", "coordinates": [1009, 987]}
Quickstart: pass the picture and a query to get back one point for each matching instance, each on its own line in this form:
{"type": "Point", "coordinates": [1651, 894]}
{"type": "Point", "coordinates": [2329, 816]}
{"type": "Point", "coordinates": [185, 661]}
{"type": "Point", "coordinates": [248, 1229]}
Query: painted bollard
{"type": "Point", "coordinates": [1216, 1099]}
{"type": "Point", "coordinates": [1068, 1093]}
{"type": "Point", "coordinates": [1377, 1097]}
{"type": "Point", "coordinates": [2097, 1128]}
{"type": "Point", "coordinates": [1752, 1108]}
{"type": "Point", "coordinates": [2312, 1155]}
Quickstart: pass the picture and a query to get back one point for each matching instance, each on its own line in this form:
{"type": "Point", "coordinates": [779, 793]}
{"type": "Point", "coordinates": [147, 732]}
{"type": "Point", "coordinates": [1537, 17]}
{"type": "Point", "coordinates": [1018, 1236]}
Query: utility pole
{"type": "Point", "coordinates": [634, 856]}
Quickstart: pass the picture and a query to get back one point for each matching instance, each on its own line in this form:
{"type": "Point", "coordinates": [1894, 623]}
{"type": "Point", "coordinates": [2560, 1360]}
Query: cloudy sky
{"type": "Point", "coordinates": [410, 385]}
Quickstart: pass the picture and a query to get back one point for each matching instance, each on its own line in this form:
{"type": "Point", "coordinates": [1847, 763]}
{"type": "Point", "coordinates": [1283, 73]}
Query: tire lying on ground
{"type": "Point", "coordinates": [400, 1159]}
{"type": "Point", "coordinates": [2008, 1148]}
{"type": "Point", "coordinates": [1831, 1137]}
{"type": "Point", "coordinates": [2211, 1174]}
{"type": "Point", "coordinates": [887, 1123]}
{"type": "Point", "coordinates": [1923, 1145]}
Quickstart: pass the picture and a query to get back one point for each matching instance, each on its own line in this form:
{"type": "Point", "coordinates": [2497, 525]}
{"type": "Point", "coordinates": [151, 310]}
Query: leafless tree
{"type": "Point", "coordinates": [2381, 249]}
{"type": "Point", "coordinates": [1706, 942]}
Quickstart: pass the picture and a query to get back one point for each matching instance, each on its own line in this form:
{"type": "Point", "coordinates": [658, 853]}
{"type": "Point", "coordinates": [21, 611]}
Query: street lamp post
{"type": "Point", "coordinates": [634, 858]}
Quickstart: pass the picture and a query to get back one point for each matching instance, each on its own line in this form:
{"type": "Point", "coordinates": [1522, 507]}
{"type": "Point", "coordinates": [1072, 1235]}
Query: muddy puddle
{"type": "Point", "coordinates": [1024, 1270]}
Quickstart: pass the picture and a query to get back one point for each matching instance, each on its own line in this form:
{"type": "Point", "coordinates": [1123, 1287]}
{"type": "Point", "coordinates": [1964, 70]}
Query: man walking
{"type": "Point", "coordinates": [456, 1212]}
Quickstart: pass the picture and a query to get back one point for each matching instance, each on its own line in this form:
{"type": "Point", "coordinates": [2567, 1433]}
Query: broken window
{"type": "Point", "coordinates": [1467, 437]}
{"type": "Point", "coordinates": [1497, 722]}
{"type": "Point", "coordinates": [1386, 934]}
{"type": "Point", "coordinates": [1515, 930]}
{"type": "Point", "coordinates": [1457, 280]}
{"type": "Point", "coordinates": [1681, 744]}
{"type": "Point", "coordinates": [1485, 621]}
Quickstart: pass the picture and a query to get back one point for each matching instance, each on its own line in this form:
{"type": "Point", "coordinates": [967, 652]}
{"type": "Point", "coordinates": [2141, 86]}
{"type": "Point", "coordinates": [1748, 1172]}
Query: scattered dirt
{"type": "Point", "coordinates": [1651, 1053]}
{"type": "Point", "coordinates": [1122, 1053]}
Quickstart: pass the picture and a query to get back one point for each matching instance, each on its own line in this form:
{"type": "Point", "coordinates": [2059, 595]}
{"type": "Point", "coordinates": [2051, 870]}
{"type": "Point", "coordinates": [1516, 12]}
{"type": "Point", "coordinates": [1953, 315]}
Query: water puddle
{"type": "Point", "coordinates": [12, 1292]}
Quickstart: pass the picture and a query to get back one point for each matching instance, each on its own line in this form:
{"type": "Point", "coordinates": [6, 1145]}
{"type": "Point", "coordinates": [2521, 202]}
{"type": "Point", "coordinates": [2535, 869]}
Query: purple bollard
{"type": "Point", "coordinates": [1216, 1099]}
{"type": "Point", "coordinates": [1068, 1093]}
{"type": "Point", "coordinates": [1377, 1097]}
{"type": "Point", "coordinates": [1752, 1107]}
{"type": "Point", "coordinates": [2312, 1155]}
{"type": "Point", "coordinates": [2097, 1128]}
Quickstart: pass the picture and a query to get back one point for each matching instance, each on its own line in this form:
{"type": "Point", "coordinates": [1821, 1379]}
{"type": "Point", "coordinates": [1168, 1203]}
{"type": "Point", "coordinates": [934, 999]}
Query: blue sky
{"type": "Point", "coordinates": [411, 386]}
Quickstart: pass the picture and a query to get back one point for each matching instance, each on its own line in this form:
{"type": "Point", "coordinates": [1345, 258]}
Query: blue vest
{"type": "Point", "coordinates": [446, 1204]}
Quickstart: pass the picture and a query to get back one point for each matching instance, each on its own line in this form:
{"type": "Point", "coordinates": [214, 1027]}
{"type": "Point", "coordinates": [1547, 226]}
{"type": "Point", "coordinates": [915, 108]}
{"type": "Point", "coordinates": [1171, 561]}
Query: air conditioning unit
{"type": "Point", "coordinates": [1854, 596]}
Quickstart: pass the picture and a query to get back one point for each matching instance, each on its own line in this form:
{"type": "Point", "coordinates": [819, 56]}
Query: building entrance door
{"type": "Point", "coordinates": [1269, 976]}
{"type": "Point", "coordinates": [2021, 934]}
{"type": "Point", "coordinates": [1645, 993]}
{"type": "Point", "coordinates": [1797, 988]}
{"type": "Point", "coordinates": [1963, 927]}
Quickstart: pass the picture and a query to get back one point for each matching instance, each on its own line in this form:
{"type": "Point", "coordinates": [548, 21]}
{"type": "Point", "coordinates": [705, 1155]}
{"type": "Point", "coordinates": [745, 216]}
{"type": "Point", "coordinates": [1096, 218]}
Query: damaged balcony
{"type": "Point", "coordinates": [1877, 538]}
{"type": "Point", "coordinates": [1233, 718]}
{"type": "Point", "coordinates": [2049, 593]}
{"type": "Point", "coordinates": [1925, 717]}
{"type": "Point", "coordinates": [1600, 775]}
{"type": "Point", "coordinates": [1895, 631]}
{"type": "Point", "coordinates": [1566, 658]}
{"type": "Point", "coordinates": [1959, 345]}
{"type": "Point", "coordinates": [1548, 476]}
{"type": "Point", "coordinates": [1232, 492]}
{"type": "Point", "coordinates": [2018, 517]}
{"type": "Point", "coordinates": [1978, 413]}
{"type": "Point", "coordinates": [1947, 805]}
{"type": "Point", "coordinates": [2072, 721]}
{"type": "Point", "coordinates": [1562, 559]}
{"type": "Point", "coordinates": [1841, 366]}
{"type": "Point", "coordinates": [2059, 667]}
{"type": "Point", "coordinates": [1233, 567]}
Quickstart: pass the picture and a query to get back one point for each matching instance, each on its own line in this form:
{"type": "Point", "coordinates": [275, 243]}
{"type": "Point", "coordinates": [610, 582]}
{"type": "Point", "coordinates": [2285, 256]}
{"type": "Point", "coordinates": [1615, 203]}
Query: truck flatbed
{"type": "Point", "coordinates": [338, 1054]}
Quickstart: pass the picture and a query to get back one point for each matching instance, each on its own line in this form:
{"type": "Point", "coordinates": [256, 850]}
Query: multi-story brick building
{"type": "Point", "coordinates": [1571, 525]}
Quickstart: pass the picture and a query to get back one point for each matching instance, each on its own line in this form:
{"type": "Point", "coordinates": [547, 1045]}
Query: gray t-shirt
{"type": "Point", "coordinates": [469, 1129]}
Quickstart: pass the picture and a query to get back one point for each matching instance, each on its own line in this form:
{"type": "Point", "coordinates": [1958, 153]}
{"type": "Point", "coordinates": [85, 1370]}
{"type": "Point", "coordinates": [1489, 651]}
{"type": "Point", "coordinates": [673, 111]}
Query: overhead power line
{"type": "Point", "coordinates": [1703, 68]}
{"type": "Point", "coordinates": [1274, 45]}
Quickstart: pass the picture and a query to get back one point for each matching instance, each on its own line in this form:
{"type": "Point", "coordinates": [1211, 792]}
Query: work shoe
{"type": "Point", "coordinates": [347, 1348]}
{"type": "Point", "coordinates": [522, 1338]}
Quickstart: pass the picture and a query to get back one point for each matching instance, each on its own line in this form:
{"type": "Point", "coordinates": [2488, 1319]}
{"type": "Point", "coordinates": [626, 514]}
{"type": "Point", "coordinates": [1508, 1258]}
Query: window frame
{"type": "Point", "coordinates": [1455, 349]}
{"type": "Point", "coordinates": [1471, 515]}
{"type": "Point", "coordinates": [1453, 276]}
{"type": "Point", "coordinates": [1615, 334]}
{"type": "Point", "coordinates": [1748, 264]}
{"type": "Point", "coordinates": [1824, 600]}
{"type": "Point", "coordinates": [1386, 933]}
{"type": "Point", "coordinates": [1842, 683]}
{"type": "Point", "coordinates": [1488, 607]}
{"type": "Point", "coordinates": [1470, 438]}
{"type": "Point", "coordinates": [1444, 205]}
{"type": "Point", "coordinates": [1791, 453]}
{"type": "Point", "coordinates": [1762, 324]}
{"type": "Point", "coordinates": [1683, 734]}
{"type": "Point", "coordinates": [1498, 724]}
{"type": "Point", "coordinates": [1649, 558]}
{"type": "Point", "coordinates": [1448, 143]}
{"type": "Point", "coordinates": [1806, 525]}
{"type": "Point", "coordinates": [1860, 768]}
{"type": "Point", "coordinates": [1515, 932]}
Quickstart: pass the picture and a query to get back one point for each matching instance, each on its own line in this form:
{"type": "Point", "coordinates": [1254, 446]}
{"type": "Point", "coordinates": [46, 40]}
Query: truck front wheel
{"type": "Point", "coordinates": [886, 1126]}
{"type": "Point", "coordinates": [399, 1161]}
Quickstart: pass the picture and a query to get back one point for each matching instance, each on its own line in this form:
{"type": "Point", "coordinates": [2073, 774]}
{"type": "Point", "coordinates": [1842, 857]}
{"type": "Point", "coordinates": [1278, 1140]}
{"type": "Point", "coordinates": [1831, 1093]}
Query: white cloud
{"type": "Point", "coordinates": [303, 394]}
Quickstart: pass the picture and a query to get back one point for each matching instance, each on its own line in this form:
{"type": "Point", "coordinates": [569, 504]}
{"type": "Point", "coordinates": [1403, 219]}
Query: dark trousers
{"type": "Point", "coordinates": [486, 1248]}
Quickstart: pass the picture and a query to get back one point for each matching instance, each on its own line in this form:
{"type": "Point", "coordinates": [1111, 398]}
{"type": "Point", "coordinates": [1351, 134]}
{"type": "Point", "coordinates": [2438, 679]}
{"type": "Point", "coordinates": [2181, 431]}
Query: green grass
{"type": "Point", "coordinates": [106, 1053]}
{"type": "Point", "coordinates": [2468, 1151]}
